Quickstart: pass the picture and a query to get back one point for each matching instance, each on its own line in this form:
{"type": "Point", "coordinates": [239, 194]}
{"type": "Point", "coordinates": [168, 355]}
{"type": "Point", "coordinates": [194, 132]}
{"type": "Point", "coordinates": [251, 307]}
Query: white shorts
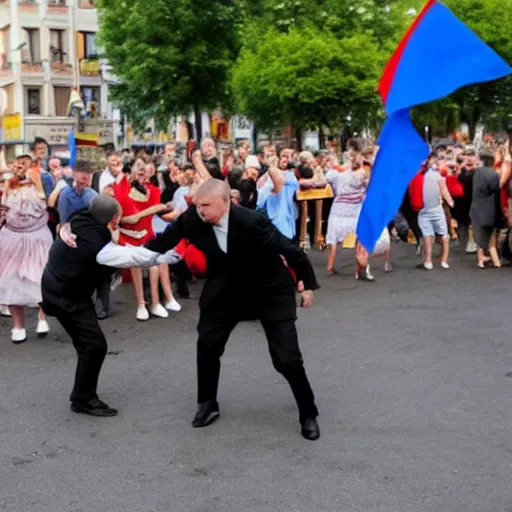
{"type": "Point", "coordinates": [433, 222]}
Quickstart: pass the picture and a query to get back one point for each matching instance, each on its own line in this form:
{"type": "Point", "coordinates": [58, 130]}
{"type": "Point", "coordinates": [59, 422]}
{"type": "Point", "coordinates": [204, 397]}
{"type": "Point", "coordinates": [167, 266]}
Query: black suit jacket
{"type": "Point", "coordinates": [252, 272]}
{"type": "Point", "coordinates": [71, 275]}
{"type": "Point", "coordinates": [486, 198]}
{"type": "Point", "coordinates": [95, 182]}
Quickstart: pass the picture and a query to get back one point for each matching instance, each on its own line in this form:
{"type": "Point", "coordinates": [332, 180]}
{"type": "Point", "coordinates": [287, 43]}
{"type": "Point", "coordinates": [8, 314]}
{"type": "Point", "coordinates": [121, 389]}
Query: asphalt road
{"type": "Point", "coordinates": [411, 379]}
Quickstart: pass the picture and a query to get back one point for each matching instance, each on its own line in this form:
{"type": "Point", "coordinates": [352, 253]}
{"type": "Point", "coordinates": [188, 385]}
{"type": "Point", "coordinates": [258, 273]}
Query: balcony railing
{"type": "Point", "coordinates": [90, 67]}
{"type": "Point", "coordinates": [61, 68]}
{"type": "Point", "coordinates": [28, 6]}
{"type": "Point", "coordinates": [32, 67]}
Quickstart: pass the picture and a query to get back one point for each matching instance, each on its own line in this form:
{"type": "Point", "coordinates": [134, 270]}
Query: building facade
{"type": "Point", "coordinates": [47, 50]}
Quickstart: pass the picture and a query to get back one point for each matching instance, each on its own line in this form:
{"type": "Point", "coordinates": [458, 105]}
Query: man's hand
{"type": "Point", "coordinates": [109, 191]}
{"type": "Point", "coordinates": [66, 235]}
{"type": "Point", "coordinates": [308, 297]}
{"type": "Point", "coordinates": [197, 156]}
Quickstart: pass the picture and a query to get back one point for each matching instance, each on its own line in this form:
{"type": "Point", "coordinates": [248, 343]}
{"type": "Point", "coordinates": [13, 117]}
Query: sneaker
{"type": "Point", "coordinates": [159, 311]}
{"type": "Point", "coordinates": [445, 265]}
{"type": "Point", "coordinates": [471, 247]}
{"type": "Point", "coordinates": [173, 305]}
{"type": "Point", "coordinates": [42, 328]}
{"type": "Point", "coordinates": [142, 313]}
{"type": "Point", "coordinates": [4, 311]}
{"type": "Point", "coordinates": [18, 335]}
{"type": "Point", "coordinates": [368, 274]}
{"type": "Point", "coordinates": [428, 266]}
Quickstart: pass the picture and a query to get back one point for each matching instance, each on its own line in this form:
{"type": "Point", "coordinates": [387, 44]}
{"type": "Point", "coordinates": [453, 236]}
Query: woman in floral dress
{"type": "Point", "coordinates": [25, 242]}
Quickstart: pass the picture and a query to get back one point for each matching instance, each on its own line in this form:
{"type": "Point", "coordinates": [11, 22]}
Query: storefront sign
{"type": "Point", "coordinates": [242, 128]}
{"type": "Point", "coordinates": [54, 134]}
{"type": "Point", "coordinates": [11, 126]}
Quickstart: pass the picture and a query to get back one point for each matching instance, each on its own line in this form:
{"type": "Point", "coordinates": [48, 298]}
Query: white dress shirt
{"type": "Point", "coordinates": [179, 202]}
{"type": "Point", "coordinates": [106, 179]}
{"type": "Point", "coordinates": [118, 256]}
{"type": "Point", "coordinates": [221, 232]}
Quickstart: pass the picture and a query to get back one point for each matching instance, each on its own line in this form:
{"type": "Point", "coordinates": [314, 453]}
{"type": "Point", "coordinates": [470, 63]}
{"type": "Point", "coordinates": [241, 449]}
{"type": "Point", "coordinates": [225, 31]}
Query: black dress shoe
{"type": "Point", "coordinates": [103, 314]}
{"type": "Point", "coordinates": [206, 414]}
{"type": "Point", "coordinates": [94, 407]}
{"type": "Point", "coordinates": [310, 429]}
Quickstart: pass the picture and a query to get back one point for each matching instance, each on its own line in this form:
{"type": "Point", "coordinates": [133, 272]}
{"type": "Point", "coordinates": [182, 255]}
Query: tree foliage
{"type": "Point", "coordinates": [305, 62]}
{"type": "Point", "coordinates": [490, 103]}
{"type": "Point", "coordinates": [172, 57]}
{"type": "Point", "coordinates": [315, 62]}
{"type": "Point", "coordinates": [306, 78]}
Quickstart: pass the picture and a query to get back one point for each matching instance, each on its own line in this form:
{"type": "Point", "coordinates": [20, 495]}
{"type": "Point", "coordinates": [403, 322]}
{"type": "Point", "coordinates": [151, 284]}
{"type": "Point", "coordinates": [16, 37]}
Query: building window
{"type": "Point", "coordinates": [33, 101]}
{"type": "Point", "coordinates": [87, 4]}
{"type": "Point", "coordinates": [91, 99]}
{"type": "Point", "coordinates": [86, 45]}
{"type": "Point", "coordinates": [62, 95]}
{"type": "Point", "coordinates": [31, 50]}
{"type": "Point", "coordinates": [57, 45]}
{"type": "Point", "coordinates": [57, 3]}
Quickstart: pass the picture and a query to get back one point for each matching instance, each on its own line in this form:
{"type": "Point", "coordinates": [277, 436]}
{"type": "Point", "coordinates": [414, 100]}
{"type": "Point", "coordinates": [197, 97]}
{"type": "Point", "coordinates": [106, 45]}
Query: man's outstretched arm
{"type": "Point", "coordinates": [170, 238]}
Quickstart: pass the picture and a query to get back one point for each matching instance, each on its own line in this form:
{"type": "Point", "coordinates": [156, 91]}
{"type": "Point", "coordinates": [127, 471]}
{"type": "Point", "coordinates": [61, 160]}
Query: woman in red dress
{"type": "Point", "coordinates": [140, 201]}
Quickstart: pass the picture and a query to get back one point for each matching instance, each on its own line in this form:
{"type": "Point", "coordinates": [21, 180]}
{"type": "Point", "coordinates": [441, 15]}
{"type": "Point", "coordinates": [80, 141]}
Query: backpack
{"type": "Point", "coordinates": [416, 191]}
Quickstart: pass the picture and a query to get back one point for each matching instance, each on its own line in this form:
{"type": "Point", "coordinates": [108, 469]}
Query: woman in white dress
{"type": "Point", "coordinates": [25, 242]}
{"type": "Point", "coordinates": [349, 187]}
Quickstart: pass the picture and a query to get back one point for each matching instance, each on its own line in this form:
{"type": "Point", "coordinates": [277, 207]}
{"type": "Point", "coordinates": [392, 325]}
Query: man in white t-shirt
{"type": "Point", "coordinates": [106, 178]}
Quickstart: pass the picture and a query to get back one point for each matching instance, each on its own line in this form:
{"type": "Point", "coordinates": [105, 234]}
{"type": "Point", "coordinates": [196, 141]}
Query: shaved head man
{"type": "Point", "coordinates": [246, 278]}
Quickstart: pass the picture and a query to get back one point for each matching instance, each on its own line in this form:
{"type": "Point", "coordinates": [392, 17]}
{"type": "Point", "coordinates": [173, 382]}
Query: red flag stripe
{"type": "Point", "coordinates": [392, 65]}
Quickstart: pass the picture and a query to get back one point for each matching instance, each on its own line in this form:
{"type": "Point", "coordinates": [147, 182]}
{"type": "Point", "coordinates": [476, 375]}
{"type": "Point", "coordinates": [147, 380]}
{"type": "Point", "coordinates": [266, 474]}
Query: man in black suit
{"type": "Point", "coordinates": [246, 276]}
{"type": "Point", "coordinates": [74, 269]}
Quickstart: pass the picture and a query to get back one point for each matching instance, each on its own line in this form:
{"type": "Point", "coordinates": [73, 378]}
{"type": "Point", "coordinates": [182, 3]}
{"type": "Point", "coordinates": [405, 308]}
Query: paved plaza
{"type": "Point", "coordinates": [412, 379]}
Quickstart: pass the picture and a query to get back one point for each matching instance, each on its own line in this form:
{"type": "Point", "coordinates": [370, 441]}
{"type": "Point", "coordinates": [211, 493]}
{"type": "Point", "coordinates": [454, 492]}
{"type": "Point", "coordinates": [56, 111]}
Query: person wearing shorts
{"type": "Point", "coordinates": [431, 218]}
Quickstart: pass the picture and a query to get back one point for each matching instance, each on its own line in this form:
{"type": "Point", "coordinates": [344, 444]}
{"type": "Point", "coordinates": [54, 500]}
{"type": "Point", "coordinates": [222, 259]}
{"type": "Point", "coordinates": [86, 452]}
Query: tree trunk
{"type": "Point", "coordinates": [321, 136]}
{"type": "Point", "coordinates": [298, 137]}
{"type": "Point", "coordinates": [473, 121]}
{"type": "Point", "coordinates": [255, 139]}
{"type": "Point", "coordinates": [198, 120]}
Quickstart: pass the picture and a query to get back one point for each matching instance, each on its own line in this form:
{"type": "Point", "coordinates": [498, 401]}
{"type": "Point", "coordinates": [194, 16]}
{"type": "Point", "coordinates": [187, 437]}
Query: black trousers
{"type": "Point", "coordinates": [103, 296]}
{"type": "Point", "coordinates": [214, 329]}
{"type": "Point", "coordinates": [412, 219]}
{"type": "Point", "coordinates": [91, 346]}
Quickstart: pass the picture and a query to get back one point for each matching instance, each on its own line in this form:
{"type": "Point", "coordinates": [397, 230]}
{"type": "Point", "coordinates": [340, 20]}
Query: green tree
{"type": "Point", "coordinates": [308, 78]}
{"type": "Point", "coordinates": [172, 57]}
{"type": "Point", "coordinates": [490, 103]}
{"type": "Point", "coordinates": [341, 48]}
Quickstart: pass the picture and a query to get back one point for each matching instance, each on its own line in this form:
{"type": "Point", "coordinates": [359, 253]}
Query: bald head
{"type": "Point", "coordinates": [104, 209]}
{"type": "Point", "coordinates": [213, 187]}
{"type": "Point", "coordinates": [212, 200]}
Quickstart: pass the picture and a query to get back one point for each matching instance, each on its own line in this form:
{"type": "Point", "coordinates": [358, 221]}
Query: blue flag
{"type": "Point", "coordinates": [401, 152]}
{"type": "Point", "coordinates": [417, 73]}
{"type": "Point", "coordinates": [72, 149]}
